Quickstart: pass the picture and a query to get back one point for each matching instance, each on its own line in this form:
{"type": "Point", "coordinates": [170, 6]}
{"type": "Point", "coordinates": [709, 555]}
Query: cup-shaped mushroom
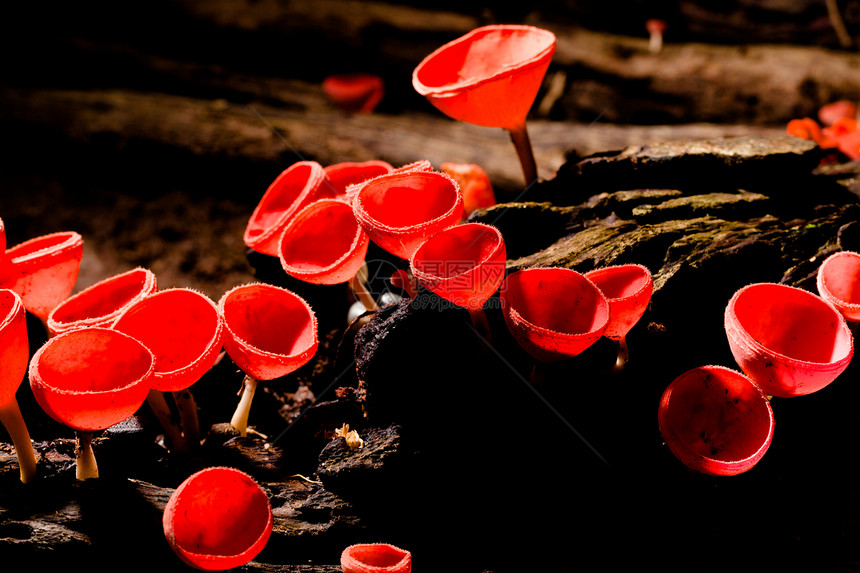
{"type": "Point", "coordinates": [43, 270]}
{"type": "Point", "coordinates": [628, 289]}
{"type": "Point", "coordinates": [553, 313]}
{"type": "Point", "coordinates": [91, 378]}
{"type": "Point", "coordinates": [786, 339]}
{"type": "Point", "coordinates": [14, 349]}
{"type": "Point", "coordinates": [375, 558]}
{"type": "Point", "coordinates": [838, 282]}
{"type": "Point", "coordinates": [268, 331]}
{"type": "Point", "coordinates": [341, 175]}
{"type": "Point", "coordinates": [399, 211]}
{"type": "Point", "coordinates": [101, 303]}
{"type": "Point", "coordinates": [218, 518]}
{"type": "Point", "coordinates": [182, 328]}
{"type": "Point", "coordinates": [716, 420]}
{"type": "Point", "coordinates": [356, 92]}
{"type": "Point", "coordinates": [300, 184]}
{"type": "Point", "coordinates": [489, 77]}
{"type": "Point", "coordinates": [464, 264]}
{"type": "Point", "coordinates": [323, 243]}
{"type": "Point", "coordinates": [420, 165]}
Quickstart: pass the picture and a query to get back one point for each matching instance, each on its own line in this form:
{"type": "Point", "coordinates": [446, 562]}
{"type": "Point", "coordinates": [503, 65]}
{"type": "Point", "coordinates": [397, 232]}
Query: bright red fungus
{"type": "Point", "coordinates": [43, 270]}
{"type": "Point", "coordinates": [341, 175]}
{"type": "Point", "coordinates": [715, 420]}
{"type": "Point", "coordinates": [101, 303]}
{"type": "Point", "coordinates": [474, 185]}
{"type": "Point", "coordinates": [268, 332]}
{"type": "Point", "coordinates": [375, 558]}
{"type": "Point", "coordinates": [628, 289]}
{"type": "Point", "coordinates": [355, 92]}
{"type": "Point", "coordinates": [553, 313]}
{"type": "Point", "coordinates": [490, 77]}
{"type": "Point", "coordinates": [399, 211]}
{"type": "Point", "coordinates": [829, 113]}
{"type": "Point", "coordinates": [786, 339]}
{"type": "Point", "coordinates": [300, 184]}
{"type": "Point", "coordinates": [838, 282]}
{"type": "Point", "coordinates": [218, 518]}
{"type": "Point", "coordinates": [14, 354]}
{"type": "Point", "coordinates": [90, 379]}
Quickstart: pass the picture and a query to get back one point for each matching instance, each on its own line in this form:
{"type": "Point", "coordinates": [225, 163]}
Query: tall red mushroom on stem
{"type": "Point", "coordinates": [655, 28]}
{"type": "Point", "coordinates": [268, 332]}
{"type": "Point", "coordinates": [490, 77]}
{"type": "Point", "coordinates": [14, 353]}
{"type": "Point", "coordinates": [90, 379]}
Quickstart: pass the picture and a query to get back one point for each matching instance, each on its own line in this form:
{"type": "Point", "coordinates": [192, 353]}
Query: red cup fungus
{"type": "Point", "coordinates": [218, 518]}
{"type": "Point", "coordinates": [43, 270]}
{"type": "Point", "coordinates": [341, 175]}
{"type": "Point", "coordinates": [628, 289]}
{"type": "Point", "coordinates": [268, 332]}
{"type": "Point", "coordinates": [375, 558]}
{"type": "Point", "coordinates": [90, 379]}
{"type": "Point", "coordinates": [838, 282]}
{"type": "Point", "coordinates": [789, 341]}
{"type": "Point", "coordinates": [184, 331]}
{"type": "Point", "coordinates": [474, 185]}
{"type": "Point", "coordinates": [300, 184]}
{"type": "Point", "coordinates": [399, 211]}
{"type": "Point", "coordinates": [355, 92]}
{"type": "Point", "coordinates": [553, 313]}
{"type": "Point", "coordinates": [829, 113]}
{"type": "Point", "coordinates": [14, 355]}
{"type": "Point", "coordinates": [101, 303]}
{"type": "Point", "coordinates": [420, 165]}
{"type": "Point", "coordinates": [716, 420]}
{"type": "Point", "coordinates": [490, 77]}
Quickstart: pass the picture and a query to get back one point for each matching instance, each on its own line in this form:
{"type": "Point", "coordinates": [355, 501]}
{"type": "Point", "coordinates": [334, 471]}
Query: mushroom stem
{"type": "Point", "coordinates": [623, 355]}
{"type": "Point", "coordinates": [85, 461]}
{"type": "Point", "coordinates": [240, 416]}
{"type": "Point", "coordinates": [520, 139]}
{"type": "Point", "coordinates": [479, 321]}
{"type": "Point", "coordinates": [159, 407]}
{"type": "Point", "coordinates": [359, 287]}
{"type": "Point", "coordinates": [10, 417]}
{"type": "Point", "coordinates": [188, 413]}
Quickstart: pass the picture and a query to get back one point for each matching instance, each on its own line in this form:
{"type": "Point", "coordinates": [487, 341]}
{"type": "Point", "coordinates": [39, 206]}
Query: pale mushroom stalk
{"type": "Point", "coordinates": [85, 461]}
{"type": "Point", "coordinates": [10, 417]}
{"type": "Point", "coordinates": [623, 355]}
{"type": "Point", "coordinates": [240, 416]}
{"type": "Point", "coordinates": [359, 287]}
{"type": "Point", "coordinates": [187, 407]}
{"type": "Point", "coordinates": [159, 407]}
{"type": "Point", "coordinates": [522, 143]}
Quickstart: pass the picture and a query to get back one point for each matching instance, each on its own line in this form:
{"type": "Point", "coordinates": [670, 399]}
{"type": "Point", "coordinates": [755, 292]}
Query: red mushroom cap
{"type": "Point", "coordinates": [786, 339]}
{"type": "Point", "coordinates": [628, 289]}
{"type": "Point", "coordinates": [341, 175]}
{"type": "Point", "coordinates": [218, 518]}
{"type": "Point", "coordinates": [14, 348]}
{"type": "Point", "coordinates": [101, 303]}
{"type": "Point", "coordinates": [43, 270]}
{"type": "Point", "coordinates": [464, 264]}
{"type": "Point", "coordinates": [838, 282]}
{"type": "Point", "coordinates": [553, 313]}
{"type": "Point", "coordinates": [829, 113]}
{"type": "Point", "coordinates": [268, 331]}
{"type": "Point", "coordinates": [489, 76]}
{"type": "Point", "coordinates": [323, 243]}
{"type": "Point", "coordinates": [300, 184]}
{"type": "Point", "coordinates": [399, 211]}
{"type": "Point", "coordinates": [91, 378]}
{"type": "Point", "coordinates": [716, 420]}
{"type": "Point", "coordinates": [474, 185]}
{"type": "Point", "coordinates": [182, 328]}
{"type": "Point", "coordinates": [355, 92]}
{"type": "Point", "coordinates": [375, 558]}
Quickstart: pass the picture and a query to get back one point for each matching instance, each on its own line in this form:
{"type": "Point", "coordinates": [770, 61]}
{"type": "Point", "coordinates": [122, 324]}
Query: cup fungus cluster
{"type": "Point", "coordinates": [836, 130]}
{"type": "Point", "coordinates": [787, 342]}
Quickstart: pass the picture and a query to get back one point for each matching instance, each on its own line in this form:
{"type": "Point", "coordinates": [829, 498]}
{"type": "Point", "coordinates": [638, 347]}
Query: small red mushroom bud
{"type": "Point", "coordinates": [218, 518]}
{"type": "Point", "coordinates": [474, 185]}
{"type": "Point", "coordinates": [375, 558]}
{"type": "Point", "coordinates": [829, 113]}
{"type": "Point", "coordinates": [655, 28]}
{"type": "Point", "coordinates": [355, 93]}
